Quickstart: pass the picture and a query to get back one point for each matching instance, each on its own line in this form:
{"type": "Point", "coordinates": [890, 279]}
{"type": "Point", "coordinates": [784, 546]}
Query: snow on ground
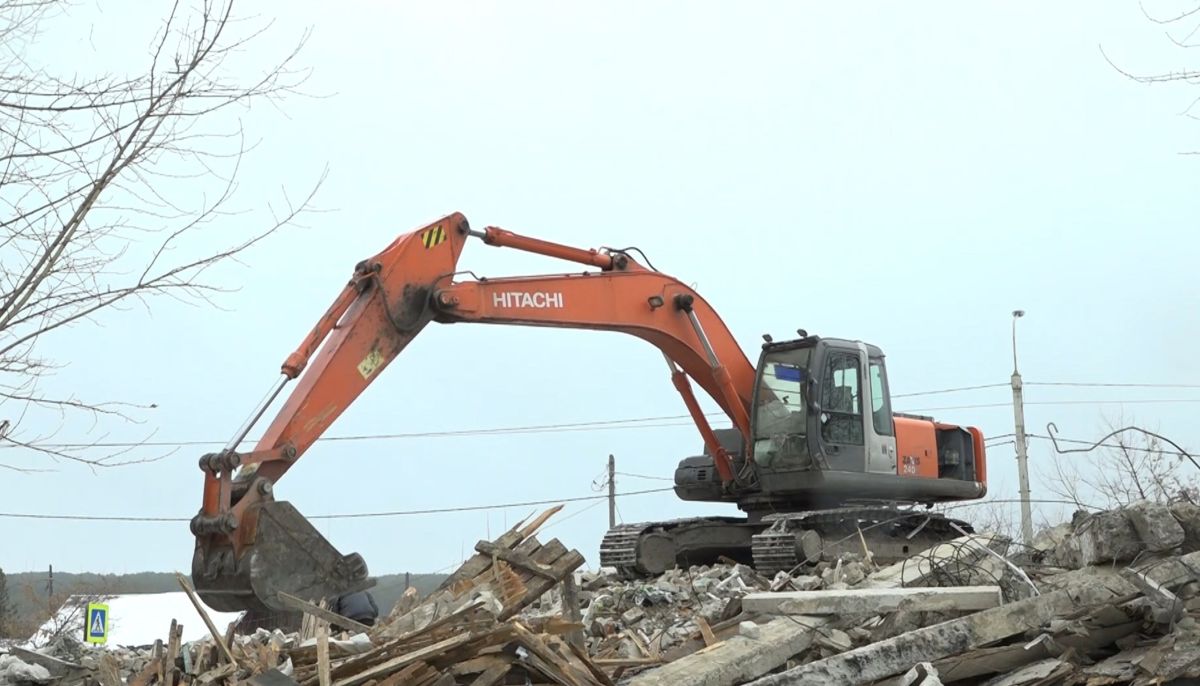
{"type": "Point", "coordinates": [134, 619]}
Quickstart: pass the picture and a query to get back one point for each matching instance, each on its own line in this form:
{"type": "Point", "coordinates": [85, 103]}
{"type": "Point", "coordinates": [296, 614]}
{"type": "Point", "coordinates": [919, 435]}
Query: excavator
{"type": "Point", "coordinates": [814, 456]}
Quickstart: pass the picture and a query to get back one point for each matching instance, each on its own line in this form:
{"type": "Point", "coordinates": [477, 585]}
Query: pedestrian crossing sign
{"type": "Point", "coordinates": [96, 626]}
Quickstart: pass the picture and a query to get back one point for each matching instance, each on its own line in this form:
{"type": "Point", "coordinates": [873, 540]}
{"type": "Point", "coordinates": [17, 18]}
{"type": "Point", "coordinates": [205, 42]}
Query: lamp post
{"type": "Point", "coordinates": [1022, 456]}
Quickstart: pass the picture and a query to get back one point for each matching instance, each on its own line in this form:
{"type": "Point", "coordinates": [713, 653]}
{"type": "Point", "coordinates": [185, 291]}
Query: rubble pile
{"type": "Point", "coordinates": [1108, 598]}
{"type": "Point", "coordinates": [644, 618]}
{"type": "Point", "coordinates": [470, 630]}
{"type": "Point", "coordinates": [648, 621]}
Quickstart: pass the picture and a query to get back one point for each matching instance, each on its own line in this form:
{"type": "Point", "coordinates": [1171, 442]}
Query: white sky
{"type": "Point", "coordinates": [903, 175]}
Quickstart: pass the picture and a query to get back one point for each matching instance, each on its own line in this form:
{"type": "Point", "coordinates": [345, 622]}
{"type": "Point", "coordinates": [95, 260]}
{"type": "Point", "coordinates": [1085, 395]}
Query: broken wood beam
{"type": "Point", "coordinates": [208, 622]}
{"type": "Point", "coordinates": [873, 600]}
{"type": "Point", "coordinates": [515, 558]}
{"type": "Point", "coordinates": [321, 613]}
{"type": "Point", "coordinates": [572, 612]}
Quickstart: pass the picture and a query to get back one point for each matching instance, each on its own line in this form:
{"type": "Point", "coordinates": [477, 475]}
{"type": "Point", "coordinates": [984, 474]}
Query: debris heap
{"type": "Point", "coordinates": [1109, 598]}
{"type": "Point", "coordinates": [469, 631]}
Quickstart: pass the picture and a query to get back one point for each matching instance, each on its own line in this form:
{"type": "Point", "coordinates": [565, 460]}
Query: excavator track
{"type": "Point", "coordinates": [777, 542]}
{"type": "Point", "coordinates": [649, 548]}
{"type": "Point", "coordinates": [793, 540]}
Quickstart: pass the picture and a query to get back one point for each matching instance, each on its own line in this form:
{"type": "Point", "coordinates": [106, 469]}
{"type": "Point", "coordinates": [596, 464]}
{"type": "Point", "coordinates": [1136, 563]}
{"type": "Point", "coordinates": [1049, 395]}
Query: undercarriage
{"type": "Point", "coordinates": [778, 541]}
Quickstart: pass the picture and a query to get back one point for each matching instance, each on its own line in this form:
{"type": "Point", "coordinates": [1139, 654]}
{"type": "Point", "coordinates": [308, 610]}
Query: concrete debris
{"type": "Point", "coordinates": [1156, 526]}
{"type": "Point", "coordinates": [15, 671]}
{"type": "Point", "coordinates": [1108, 598]}
{"type": "Point", "coordinates": [873, 600]}
{"type": "Point", "coordinates": [924, 674]}
{"type": "Point", "coordinates": [1121, 535]}
{"type": "Point", "coordinates": [663, 616]}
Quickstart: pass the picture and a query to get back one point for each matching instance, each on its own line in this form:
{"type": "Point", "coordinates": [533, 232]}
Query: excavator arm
{"type": "Point", "coordinates": [250, 547]}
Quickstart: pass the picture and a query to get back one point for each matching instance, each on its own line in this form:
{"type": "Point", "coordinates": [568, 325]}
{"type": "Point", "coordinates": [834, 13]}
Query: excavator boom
{"type": "Point", "coordinates": [250, 547]}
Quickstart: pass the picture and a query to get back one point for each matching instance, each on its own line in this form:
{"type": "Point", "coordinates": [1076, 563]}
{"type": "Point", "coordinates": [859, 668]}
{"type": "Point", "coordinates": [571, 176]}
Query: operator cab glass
{"type": "Point", "coordinates": [781, 410]}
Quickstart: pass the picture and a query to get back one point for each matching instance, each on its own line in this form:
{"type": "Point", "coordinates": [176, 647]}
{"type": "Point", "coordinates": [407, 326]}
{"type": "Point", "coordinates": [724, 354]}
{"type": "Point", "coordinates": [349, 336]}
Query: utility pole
{"type": "Point", "coordinates": [1022, 455]}
{"type": "Point", "coordinates": [612, 492]}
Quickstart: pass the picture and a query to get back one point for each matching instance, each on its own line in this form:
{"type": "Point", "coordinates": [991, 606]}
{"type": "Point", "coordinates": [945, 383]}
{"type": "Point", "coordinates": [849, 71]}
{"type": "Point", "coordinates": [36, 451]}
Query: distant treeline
{"type": "Point", "coordinates": [28, 592]}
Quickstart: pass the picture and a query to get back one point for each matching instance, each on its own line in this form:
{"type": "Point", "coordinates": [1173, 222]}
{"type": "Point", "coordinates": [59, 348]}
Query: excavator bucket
{"type": "Point", "coordinates": [287, 555]}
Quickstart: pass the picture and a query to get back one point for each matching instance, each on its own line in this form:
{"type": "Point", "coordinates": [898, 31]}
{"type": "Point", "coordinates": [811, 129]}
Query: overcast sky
{"type": "Point", "coordinates": [901, 174]}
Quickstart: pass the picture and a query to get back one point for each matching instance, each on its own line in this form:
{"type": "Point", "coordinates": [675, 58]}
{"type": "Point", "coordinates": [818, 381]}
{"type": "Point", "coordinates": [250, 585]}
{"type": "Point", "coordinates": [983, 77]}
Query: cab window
{"type": "Point", "coordinates": [881, 407]}
{"type": "Point", "coordinates": [841, 400]}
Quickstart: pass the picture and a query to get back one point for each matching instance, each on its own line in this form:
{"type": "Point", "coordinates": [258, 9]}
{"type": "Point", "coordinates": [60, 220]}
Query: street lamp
{"type": "Point", "coordinates": [1019, 430]}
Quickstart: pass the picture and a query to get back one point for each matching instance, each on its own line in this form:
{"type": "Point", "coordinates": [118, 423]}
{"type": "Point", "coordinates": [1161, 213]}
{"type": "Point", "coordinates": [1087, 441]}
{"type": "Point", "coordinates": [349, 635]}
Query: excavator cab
{"type": "Point", "coordinates": [822, 431]}
{"type": "Point", "coordinates": [823, 425]}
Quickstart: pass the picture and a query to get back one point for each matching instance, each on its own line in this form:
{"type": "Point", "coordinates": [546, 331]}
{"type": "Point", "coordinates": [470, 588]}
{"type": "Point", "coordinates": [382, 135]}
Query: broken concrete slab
{"type": "Point", "coordinates": [1188, 516]}
{"type": "Point", "coordinates": [1155, 525]}
{"type": "Point", "coordinates": [895, 656]}
{"type": "Point", "coordinates": [916, 570]}
{"type": "Point", "coordinates": [874, 600]}
{"type": "Point", "coordinates": [738, 658]}
{"type": "Point", "coordinates": [1100, 538]}
{"type": "Point", "coordinates": [1036, 673]}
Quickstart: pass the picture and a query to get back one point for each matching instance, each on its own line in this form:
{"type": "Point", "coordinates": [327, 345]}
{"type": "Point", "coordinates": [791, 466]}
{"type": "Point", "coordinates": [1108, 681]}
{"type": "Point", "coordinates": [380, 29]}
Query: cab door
{"type": "Point", "coordinates": [855, 421]}
{"type": "Point", "coordinates": [841, 423]}
{"type": "Point", "coordinates": [881, 451]}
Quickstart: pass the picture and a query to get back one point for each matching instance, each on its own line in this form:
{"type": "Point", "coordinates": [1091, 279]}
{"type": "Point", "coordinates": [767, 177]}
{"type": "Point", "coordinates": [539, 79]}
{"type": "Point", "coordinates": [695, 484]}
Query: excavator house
{"type": "Point", "coordinates": [814, 456]}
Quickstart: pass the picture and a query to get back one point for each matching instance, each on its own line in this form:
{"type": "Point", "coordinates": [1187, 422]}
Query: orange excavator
{"type": "Point", "coordinates": [815, 457]}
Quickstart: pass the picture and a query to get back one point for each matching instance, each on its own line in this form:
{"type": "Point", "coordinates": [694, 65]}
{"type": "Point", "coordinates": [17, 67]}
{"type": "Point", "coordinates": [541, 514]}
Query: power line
{"type": "Point", "coordinates": [598, 425]}
{"type": "Point", "coordinates": [644, 476]}
{"type": "Point", "coordinates": [950, 390]}
{"type": "Point", "coordinates": [1075, 384]}
{"type": "Point", "coordinates": [1112, 385]}
{"type": "Point", "coordinates": [355, 515]}
{"type": "Point", "coordinates": [1060, 402]}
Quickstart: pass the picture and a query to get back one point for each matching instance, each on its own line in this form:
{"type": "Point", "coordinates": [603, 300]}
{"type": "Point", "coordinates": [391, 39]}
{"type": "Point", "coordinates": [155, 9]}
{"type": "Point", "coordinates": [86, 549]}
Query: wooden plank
{"type": "Point", "coordinates": [481, 663]}
{"type": "Point", "coordinates": [626, 661]}
{"type": "Point", "coordinates": [563, 566]}
{"type": "Point", "coordinates": [109, 673]}
{"type": "Point", "coordinates": [706, 632]}
{"type": "Point", "coordinates": [214, 675]}
{"type": "Point", "coordinates": [174, 639]}
{"type": "Point", "coordinates": [588, 664]}
{"type": "Point", "coordinates": [149, 672]}
{"type": "Point", "coordinates": [492, 675]}
{"type": "Point", "coordinates": [534, 644]}
{"type": "Point", "coordinates": [571, 609]}
{"type": "Point", "coordinates": [212, 628]}
{"type": "Point", "coordinates": [515, 558]}
{"type": "Point", "coordinates": [395, 663]}
{"type": "Point", "coordinates": [321, 613]}
{"type": "Point", "coordinates": [537, 523]}
{"type": "Point", "coordinates": [323, 670]}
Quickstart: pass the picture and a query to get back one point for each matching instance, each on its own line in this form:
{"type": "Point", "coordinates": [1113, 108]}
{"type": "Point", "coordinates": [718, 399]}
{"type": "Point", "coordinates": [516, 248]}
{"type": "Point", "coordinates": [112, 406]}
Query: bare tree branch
{"type": "Point", "coordinates": [103, 181]}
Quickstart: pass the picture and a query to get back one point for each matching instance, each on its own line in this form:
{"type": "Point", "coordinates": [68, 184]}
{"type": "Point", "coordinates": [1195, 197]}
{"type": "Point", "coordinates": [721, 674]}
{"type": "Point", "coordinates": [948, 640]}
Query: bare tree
{"type": "Point", "coordinates": [52, 617]}
{"type": "Point", "coordinates": [1127, 466]}
{"type": "Point", "coordinates": [1182, 28]}
{"type": "Point", "coordinates": [117, 191]}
